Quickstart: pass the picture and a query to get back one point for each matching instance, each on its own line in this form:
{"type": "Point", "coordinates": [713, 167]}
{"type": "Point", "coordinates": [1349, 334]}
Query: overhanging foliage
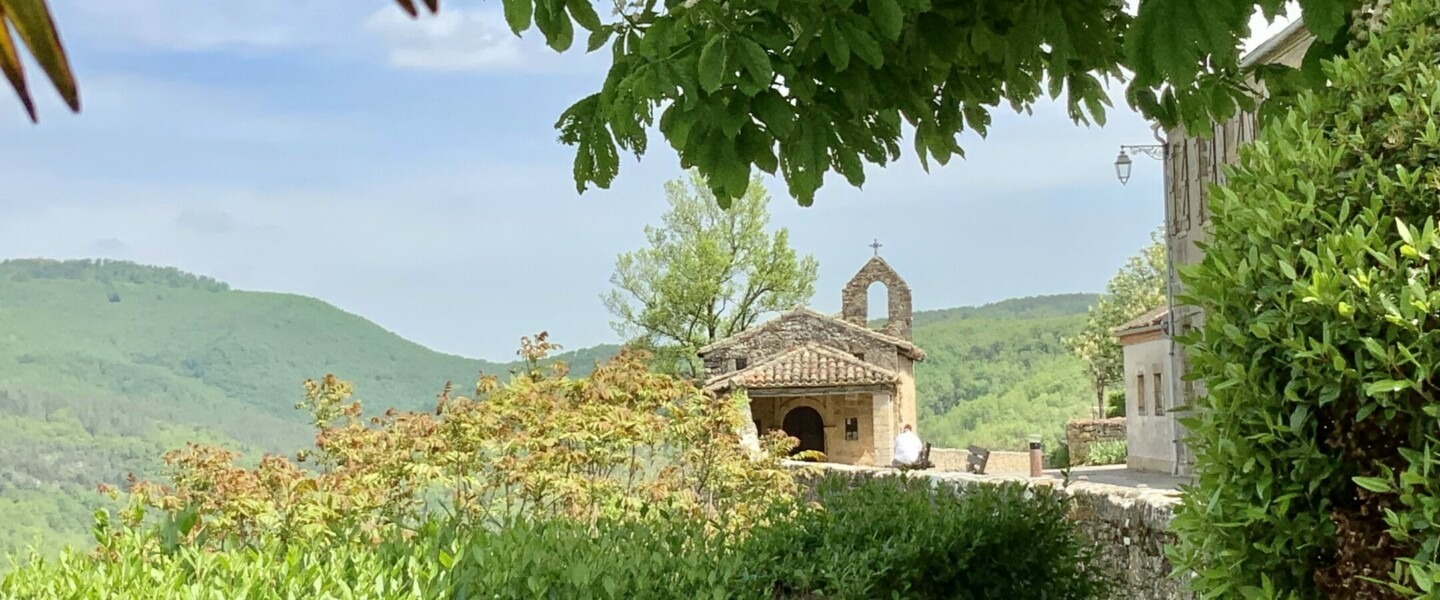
{"type": "Point", "coordinates": [802, 88]}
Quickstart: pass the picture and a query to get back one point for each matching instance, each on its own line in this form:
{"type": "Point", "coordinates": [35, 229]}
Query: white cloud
{"type": "Point", "coordinates": [456, 39]}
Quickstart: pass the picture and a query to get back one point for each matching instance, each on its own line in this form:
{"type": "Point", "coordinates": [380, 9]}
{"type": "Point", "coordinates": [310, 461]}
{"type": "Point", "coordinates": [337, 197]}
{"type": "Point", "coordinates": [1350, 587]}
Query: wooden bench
{"type": "Point", "coordinates": [921, 463]}
{"type": "Point", "coordinates": [979, 457]}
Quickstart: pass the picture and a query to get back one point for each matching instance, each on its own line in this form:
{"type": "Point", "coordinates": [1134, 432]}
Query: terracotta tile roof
{"type": "Point", "coordinates": [810, 365]}
{"type": "Point", "coordinates": [906, 347]}
{"type": "Point", "coordinates": [1152, 318]}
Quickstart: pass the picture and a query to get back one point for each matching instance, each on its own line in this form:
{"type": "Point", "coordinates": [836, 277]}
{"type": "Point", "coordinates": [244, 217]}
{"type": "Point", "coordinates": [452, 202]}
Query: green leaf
{"type": "Point", "coordinates": [598, 38]}
{"type": "Point", "coordinates": [863, 44]}
{"type": "Point", "coordinates": [1287, 269]}
{"type": "Point", "coordinates": [836, 48]}
{"type": "Point", "coordinates": [889, 19]}
{"type": "Point", "coordinates": [518, 14]}
{"type": "Point", "coordinates": [713, 59]}
{"type": "Point", "coordinates": [564, 35]}
{"type": "Point", "coordinates": [1385, 386]}
{"type": "Point", "coordinates": [1324, 18]}
{"type": "Point", "coordinates": [756, 61]}
{"type": "Point", "coordinates": [584, 14]}
{"type": "Point", "coordinates": [772, 110]}
{"type": "Point", "coordinates": [1404, 231]}
{"type": "Point", "coordinates": [1374, 484]}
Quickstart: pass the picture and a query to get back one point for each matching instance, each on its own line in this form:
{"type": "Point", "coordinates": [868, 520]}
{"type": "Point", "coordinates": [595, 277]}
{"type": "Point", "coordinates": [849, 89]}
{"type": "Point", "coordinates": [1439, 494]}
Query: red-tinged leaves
{"type": "Point", "coordinates": [31, 21]}
{"type": "Point", "coordinates": [410, 8]}
{"type": "Point", "coordinates": [11, 67]}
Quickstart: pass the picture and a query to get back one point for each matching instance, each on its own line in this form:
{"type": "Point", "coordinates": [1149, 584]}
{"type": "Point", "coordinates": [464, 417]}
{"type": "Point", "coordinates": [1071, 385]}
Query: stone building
{"type": "Point", "coordinates": [1192, 163]}
{"type": "Point", "coordinates": [1151, 432]}
{"type": "Point", "coordinates": [832, 382]}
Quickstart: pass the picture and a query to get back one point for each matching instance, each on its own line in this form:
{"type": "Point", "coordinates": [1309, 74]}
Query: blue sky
{"type": "Point", "coordinates": [408, 172]}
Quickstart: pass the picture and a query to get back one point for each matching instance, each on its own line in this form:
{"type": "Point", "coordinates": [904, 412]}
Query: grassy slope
{"type": "Point", "coordinates": [91, 390]}
{"type": "Point", "coordinates": [997, 373]}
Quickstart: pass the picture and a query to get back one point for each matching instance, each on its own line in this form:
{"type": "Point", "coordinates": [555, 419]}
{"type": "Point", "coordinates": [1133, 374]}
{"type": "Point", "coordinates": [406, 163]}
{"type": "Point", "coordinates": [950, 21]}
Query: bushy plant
{"type": "Point", "coordinates": [1108, 452]}
{"type": "Point", "coordinates": [891, 537]}
{"type": "Point", "coordinates": [610, 445]}
{"type": "Point", "coordinates": [1318, 439]}
{"type": "Point", "coordinates": [901, 537]}
{"type": "Point", "coordinates": [1115, 404]}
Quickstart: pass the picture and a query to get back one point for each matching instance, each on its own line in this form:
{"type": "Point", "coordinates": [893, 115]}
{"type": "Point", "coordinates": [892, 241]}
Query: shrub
{"type": "Point", "coordinates": [1115, 404]}
{"type": "Point", "coordinates": [1109, 452]}
{"type": "Point", "coordinates": [898, 537]}
{"type": "Point", "coordinates": [1058, 457]}
{"type": "Point", "coordinates": [1317, 439]}
{"type": "Point", "coordinates": [890, 537]}
{"type": "Point", "coordinates": [606, 446]}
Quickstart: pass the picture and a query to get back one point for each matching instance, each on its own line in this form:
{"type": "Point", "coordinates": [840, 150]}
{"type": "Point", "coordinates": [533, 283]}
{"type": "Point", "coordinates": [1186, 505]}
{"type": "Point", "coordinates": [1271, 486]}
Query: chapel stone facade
{"type": "Point", "coordinates": [831, 381]}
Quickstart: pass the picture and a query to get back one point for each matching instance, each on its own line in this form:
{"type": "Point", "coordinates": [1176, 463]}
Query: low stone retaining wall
{"type": "Point", "coordinates": [1130, 525]}
{"type": "Point", "coordinates": [1080, 434]}
{"type": "Point", "coordinates": [956, 459]}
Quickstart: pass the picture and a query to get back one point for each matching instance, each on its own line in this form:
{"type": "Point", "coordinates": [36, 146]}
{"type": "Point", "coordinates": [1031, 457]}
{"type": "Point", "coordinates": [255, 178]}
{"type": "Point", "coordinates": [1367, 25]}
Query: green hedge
{"type": "Point", "coordinates": [890, 538]}
{"type": "Point", "coordinates": [1317, 440]}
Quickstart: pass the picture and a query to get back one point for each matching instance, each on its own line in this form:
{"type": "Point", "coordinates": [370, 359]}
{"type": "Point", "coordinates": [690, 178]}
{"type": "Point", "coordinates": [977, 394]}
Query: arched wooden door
{"type": "Point", "coordinates": [804, 423]}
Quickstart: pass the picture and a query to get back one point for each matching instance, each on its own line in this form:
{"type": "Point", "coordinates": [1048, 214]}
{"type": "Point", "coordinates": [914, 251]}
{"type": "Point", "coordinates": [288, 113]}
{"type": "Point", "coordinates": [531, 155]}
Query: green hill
{"type": "Point", "coordinates": [998, 373]}
{"type": "Point", "coordinates": [104, 365]}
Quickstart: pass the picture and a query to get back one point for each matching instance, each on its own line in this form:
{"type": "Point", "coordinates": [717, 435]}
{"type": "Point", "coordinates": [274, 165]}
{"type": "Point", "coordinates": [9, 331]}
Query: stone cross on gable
{"type": "Point", "coordinates": [876, 247]}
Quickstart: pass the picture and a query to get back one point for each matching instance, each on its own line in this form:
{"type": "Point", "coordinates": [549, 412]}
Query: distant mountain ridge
{"type": "Point", "coordinates": [104, 365]}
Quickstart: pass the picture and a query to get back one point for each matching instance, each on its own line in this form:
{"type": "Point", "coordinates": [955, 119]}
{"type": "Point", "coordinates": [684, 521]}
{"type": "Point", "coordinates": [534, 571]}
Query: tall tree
{"type": "Point", "coordinates": [1138, 287]}
{"type": "Point", "coordinates": [707, 273]}
{"type": "Point", "coordinates": [806, 87]}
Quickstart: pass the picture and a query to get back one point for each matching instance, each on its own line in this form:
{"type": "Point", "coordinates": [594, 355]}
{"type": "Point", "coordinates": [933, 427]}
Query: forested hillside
{"type": "Point", "coordinates": [104, 365]}
{"type": "Point", "coordinates": [998, 373]}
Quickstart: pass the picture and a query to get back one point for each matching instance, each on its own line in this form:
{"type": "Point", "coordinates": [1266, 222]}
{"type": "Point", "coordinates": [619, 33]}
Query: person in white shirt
{"type": "Point", "coordinates": [907, 447]}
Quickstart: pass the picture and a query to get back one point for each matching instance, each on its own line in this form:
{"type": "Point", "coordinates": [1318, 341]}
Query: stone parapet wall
{"type": "Point", "coordinates": [956, 459]}
{"type": "Point", "coordinates": [1080, 434]}
{"type": "Point", "coordinates": [1129, 525]}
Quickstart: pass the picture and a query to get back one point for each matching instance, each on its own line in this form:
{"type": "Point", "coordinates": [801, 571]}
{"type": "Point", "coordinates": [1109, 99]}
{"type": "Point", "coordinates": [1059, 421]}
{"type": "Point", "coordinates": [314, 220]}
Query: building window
{"type": "Point", "coordinates": [860, 355]}
{"type": "Point", "coordinates": [741, 363]}
{"type": "Point", "coordinates": [1159, 396]}
{"type": "Point", "coordinates": [1140, 394]}
{"type": "Point", "coordinates": [852, 428]}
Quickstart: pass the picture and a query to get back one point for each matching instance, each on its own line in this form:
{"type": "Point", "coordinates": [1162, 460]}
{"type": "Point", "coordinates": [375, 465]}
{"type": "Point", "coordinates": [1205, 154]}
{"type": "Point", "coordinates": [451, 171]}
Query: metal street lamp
{"type": "Point", "coordinates": [1122, 167]}
{"type": "Point", "coordinates": [1123, 162]}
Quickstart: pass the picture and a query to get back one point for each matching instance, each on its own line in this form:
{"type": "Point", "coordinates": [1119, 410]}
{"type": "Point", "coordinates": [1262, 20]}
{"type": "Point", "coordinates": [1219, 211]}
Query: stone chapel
{"type": "Point", "coordinates": [830, 381]}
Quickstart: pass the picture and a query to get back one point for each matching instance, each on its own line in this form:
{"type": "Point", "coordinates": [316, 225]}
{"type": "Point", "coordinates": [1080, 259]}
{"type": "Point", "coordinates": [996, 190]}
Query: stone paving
{"type": "Point", "coordinates": [1119, 475]}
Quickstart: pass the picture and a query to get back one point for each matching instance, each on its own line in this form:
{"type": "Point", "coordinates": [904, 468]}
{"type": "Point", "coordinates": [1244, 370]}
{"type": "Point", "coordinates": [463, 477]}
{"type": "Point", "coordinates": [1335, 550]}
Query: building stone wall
{"type": "Point", "coordinates": [855, 300]}
{"type": "Point", "coordinates": [1192, 164]}
{"type": "Point", "coordinates": [1130, 526]}
{"type": "Point", "coordinates": [1081, 434]}
{"type": "Point", "coordinates": [769, 413]}
{"type": "Point", "coordinates": [1152, 434]}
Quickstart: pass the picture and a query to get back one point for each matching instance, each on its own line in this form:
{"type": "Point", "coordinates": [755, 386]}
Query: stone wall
{"type": "Point", "coordinates": [1080, 434]}
{"type": "Point", "coordinates": [1129, 525]}
{"type": "Point", "coordinates": [956, 459]}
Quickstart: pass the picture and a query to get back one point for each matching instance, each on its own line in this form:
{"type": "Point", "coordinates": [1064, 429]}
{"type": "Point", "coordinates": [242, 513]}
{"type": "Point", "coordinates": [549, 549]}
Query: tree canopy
{"type": "Point", "coordinates": [1139, 286]}
{"type": "Point", "coordinates": [801, 88]}
{"type": "Point", "coordinates": [706, 274]}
